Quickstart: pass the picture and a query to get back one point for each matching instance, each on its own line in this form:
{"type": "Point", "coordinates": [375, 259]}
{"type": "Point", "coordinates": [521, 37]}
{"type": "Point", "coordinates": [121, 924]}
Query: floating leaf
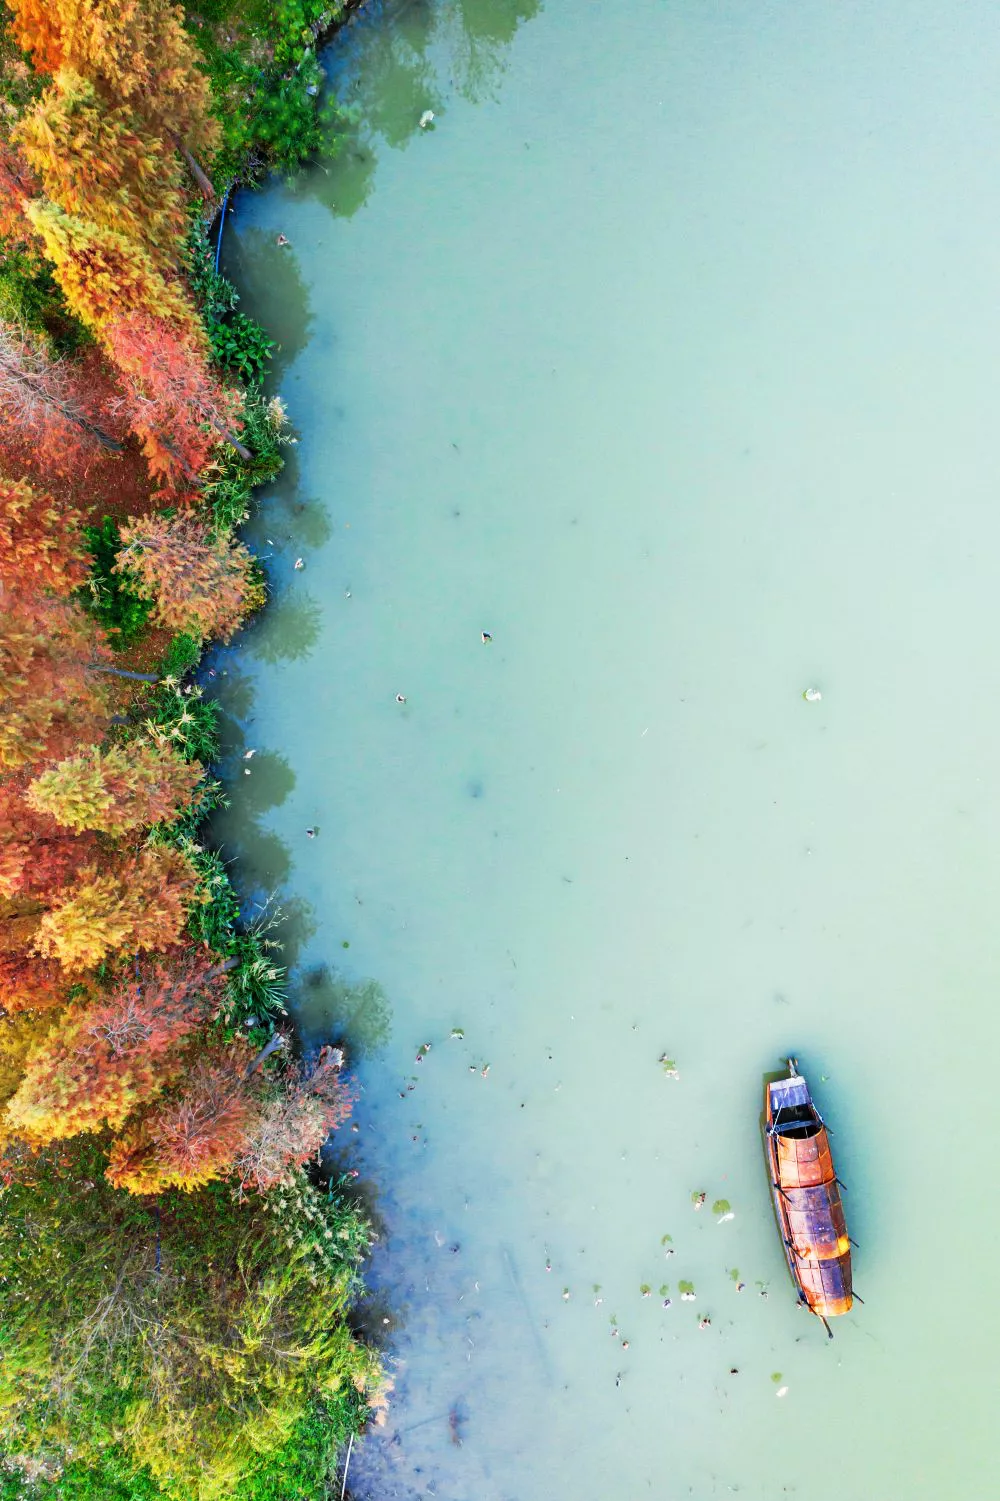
{"type": "Point", "coordinates": [665, 1240]}
{"type": "Point", "coordinates": [775, 1376]}
{"type": "Point", "coordinates": [685, 1287]}
{"type": "Point", "coordinates": [721, 1206]}
{"type": "Point", "coordinates": [734, 1273]}
{"type": "Point", "coordinates": [645, 1289]}
{"type": "Point", "coordinates": [664, 1289]}
{"type": "Point", "coordinates": [458, 1033]}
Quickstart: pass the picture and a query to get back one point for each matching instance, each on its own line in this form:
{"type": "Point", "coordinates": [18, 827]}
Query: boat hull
{"type": "Point", "coordinates": [807, 1202]}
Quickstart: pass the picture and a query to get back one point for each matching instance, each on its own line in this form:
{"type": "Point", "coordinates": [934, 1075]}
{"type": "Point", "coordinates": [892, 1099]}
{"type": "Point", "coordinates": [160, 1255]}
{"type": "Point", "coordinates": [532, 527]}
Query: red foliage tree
{"type": "Point", "coordinates": [16, 185]}
{"type": "Point", "coordinates": [37, 855]}
{"type": "Point", "coordinates": [46, 401]}
{"type": "Point", "coordinates": [30, 984]}
{"type": "Point", "coordinates": [194, 1136]}
{"type": "Point", "coordinates": [173, 402]}
{"type": "Point", "coordinates": [110, 1057]}
{"type": "Point", "coordinates": [294, 1122]}
{"type": "Point", "coordinates": [200, 583]}
{"type": "Point", "coordinates": [50, 699]}
{"type": "Point", "coordinates": [41, 544]}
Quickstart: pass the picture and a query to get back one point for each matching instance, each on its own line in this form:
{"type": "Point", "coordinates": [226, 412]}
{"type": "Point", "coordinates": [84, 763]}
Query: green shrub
{"type": "Point", "coordinates": [239, 344]}
{"type": "Point", "coordinates": [193, 1338]}
{"type": "Point", "coordinates": [107, 596]}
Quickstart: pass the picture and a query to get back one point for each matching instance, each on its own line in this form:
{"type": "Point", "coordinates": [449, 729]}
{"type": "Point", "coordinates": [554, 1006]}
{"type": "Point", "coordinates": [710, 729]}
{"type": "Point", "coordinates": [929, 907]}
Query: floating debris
{"type": "Point", "coordinates": [687, 1292]}
{"type": "Point", "coordinates": [249, 755]}
{"type": "Point", "coordinates": [698, 1198]}
{"type": "Point", "coordinates": [299, 564]}
{"type": "Point", "coordinates": [645, 1290]}
{"type": "Point", "coordinates": [427, 118]}
{"type": "Point", "coordinates": [565, 1294]}
{"type": "Point", "coordinates": [782, 1391]}
{"type": "Point", "coordinates": [487, 637]}
{"type": "Point", "coordinates": [705, 1323]}
{"type": "Point", "coordinates": [669, 1066]}
{"type": "Point", "coordinates": [812, 695]}
{"type": "Point", "coordinates": [401, 698]}
{"type": "Point", "coordinates": [457, 1033]}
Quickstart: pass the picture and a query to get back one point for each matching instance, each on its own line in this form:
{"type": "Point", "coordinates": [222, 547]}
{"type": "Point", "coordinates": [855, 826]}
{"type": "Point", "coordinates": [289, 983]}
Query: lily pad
{"type": "Point", "coordinates": [721, 1206]}
{"type": "Point", "coordinates": [685, 1287]}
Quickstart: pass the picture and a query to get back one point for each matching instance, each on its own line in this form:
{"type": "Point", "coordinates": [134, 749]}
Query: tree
{"type": "Point", "coordinates": [194, 1136]}
{"type": "Point", "coordinates": [294, 1122]}
{"type": "Point", "coordinates": [172, 400]}
{"type": "Point", "coordinates": [200, 584]}
{"type": "Point", "coordinates": [16, 185]}
{"type": "Point", "coordinates": [139, 906]}
{"type": "Point", "coordinates": [133, 51]}
{"type": "Point", "coordinates": [110, 1057]}
{"type": "Point", "coordinates": [125, 787]}
{"type": "Point", "coordinates": [41, 543]}
{"type": "Point", "coordinates": [46, 402]}
{"type": "Point", "coordinates": [50, 699]}
{"type": "Point", "coordinates": [28, 983]}
{"type": "Point", "coordinates": [102, 272]}
{"type": "Point", "coordinates": [98, 161]}
{"type": "Point", "coordinates": [37, 856]}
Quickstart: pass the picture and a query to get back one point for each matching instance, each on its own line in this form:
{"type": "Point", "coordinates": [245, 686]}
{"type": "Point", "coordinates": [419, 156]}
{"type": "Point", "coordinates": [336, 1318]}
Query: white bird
{"type": "Point", "coordinates": [427, 118]}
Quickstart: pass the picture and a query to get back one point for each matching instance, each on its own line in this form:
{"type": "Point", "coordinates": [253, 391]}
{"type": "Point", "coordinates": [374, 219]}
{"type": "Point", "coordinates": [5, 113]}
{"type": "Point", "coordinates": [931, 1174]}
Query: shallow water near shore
{"type": "Point", "coordinates": [665, 356]}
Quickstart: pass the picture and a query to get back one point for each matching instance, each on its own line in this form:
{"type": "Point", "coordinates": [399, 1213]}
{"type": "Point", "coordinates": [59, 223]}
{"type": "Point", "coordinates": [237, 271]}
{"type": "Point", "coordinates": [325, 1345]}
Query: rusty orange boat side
{"type": "Point", "coordinates": [807, 1200]}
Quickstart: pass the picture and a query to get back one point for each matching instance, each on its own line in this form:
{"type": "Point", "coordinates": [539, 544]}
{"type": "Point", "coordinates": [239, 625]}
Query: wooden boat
{"type": "Point", "coordinates": [807, 1197]}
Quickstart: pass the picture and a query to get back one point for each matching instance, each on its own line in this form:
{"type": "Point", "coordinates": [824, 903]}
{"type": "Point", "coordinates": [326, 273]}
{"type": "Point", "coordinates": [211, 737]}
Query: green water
{"type": "Point", "coordinates": [667, 357]}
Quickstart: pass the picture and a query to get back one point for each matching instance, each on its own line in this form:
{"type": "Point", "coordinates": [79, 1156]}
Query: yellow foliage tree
{"type": "Point", "coordinates": [97, 161]}
{"type": "Point", "coordinates": [140, 906]}
{"type": "Point", "coordinates": [102, 271]}
{"type": "Point", "coordinates": [133, 51]}
{"type": "Point", "coordinates": [126, 787]}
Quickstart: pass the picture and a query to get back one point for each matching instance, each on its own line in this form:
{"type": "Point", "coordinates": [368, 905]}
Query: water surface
{"type": "Point", "coordinates": [667, 358]}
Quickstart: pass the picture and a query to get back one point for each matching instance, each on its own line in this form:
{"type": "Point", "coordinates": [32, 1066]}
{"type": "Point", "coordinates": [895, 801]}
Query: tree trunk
{"type": "Point", "coordinates": [224, 432]}
{"type": "Point", "coordinates": [279, 1040]}
{"type": "Point", "coordinates": [121, 672]}
{"type": "Point", "coordinates": [200, 176]}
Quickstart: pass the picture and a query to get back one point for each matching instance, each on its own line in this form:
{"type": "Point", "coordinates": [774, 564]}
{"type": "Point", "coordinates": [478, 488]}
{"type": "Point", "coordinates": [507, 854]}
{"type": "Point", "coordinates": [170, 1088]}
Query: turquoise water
{"type": "Point", "coordinates": [665, 356]}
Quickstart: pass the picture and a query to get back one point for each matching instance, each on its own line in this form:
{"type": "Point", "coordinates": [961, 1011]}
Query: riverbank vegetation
{"type": "Point", "coordinates": [175, 1273]}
